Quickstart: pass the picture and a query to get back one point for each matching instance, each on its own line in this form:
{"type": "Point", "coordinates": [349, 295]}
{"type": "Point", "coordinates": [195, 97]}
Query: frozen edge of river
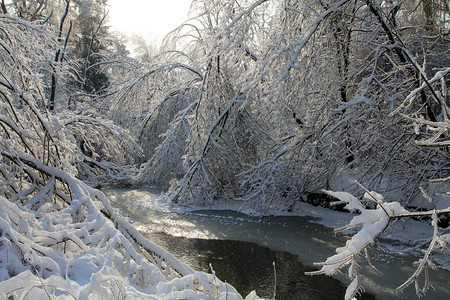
{"type": "Point", "coordinates": [405, 236]}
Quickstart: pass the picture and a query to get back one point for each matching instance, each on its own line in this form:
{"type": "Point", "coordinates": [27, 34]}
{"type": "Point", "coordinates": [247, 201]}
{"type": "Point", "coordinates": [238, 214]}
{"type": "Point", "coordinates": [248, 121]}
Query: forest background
{"type": "Point", "coordinates": [262, 102]}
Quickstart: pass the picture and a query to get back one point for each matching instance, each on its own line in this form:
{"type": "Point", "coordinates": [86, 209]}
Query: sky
{"type": "Point", "coordinates": [151, 19]}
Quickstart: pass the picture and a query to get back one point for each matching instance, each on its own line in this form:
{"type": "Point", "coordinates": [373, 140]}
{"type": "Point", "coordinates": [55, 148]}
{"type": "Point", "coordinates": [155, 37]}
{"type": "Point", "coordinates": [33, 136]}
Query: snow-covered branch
{"type": "Point", "coordinates": [84, 247]}
{"type": "Point", "coordinates": [372, 224]}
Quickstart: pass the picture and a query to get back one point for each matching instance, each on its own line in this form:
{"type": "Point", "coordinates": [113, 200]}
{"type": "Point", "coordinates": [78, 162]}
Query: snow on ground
{"type": "Point", "coordinates": [86, 250]}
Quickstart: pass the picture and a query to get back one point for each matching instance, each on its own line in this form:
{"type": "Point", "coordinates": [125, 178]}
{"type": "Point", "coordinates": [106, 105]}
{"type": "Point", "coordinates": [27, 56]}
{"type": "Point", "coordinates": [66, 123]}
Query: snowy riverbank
{"type": "Point", "coordinates": [408, 234]}
{"type": "Point", "coordinates": [402, 241]}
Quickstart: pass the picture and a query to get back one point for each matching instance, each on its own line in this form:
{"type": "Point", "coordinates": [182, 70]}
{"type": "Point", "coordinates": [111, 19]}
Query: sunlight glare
{"type": "Point", "coordinates": [151, 19]}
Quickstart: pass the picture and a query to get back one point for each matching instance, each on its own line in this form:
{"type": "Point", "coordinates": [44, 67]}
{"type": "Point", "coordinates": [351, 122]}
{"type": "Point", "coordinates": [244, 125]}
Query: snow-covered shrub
{"type": "Point", "coordinates": [80, 142]}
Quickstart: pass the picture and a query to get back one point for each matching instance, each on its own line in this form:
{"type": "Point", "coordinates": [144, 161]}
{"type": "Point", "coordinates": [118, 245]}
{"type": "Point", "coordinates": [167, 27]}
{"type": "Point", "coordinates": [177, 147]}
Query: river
{"type": "Point", "coordinates": [242, 249]}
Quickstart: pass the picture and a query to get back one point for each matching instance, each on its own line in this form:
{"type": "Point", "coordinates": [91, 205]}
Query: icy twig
{"type": "Point", "coordinates": [424, 262]}
{"type": "Point", "coordinates": [42, 282]}
{"type": "Point", "coordinates": [373, 223]}
{"type": "Point", "coordinates": [275, 281]}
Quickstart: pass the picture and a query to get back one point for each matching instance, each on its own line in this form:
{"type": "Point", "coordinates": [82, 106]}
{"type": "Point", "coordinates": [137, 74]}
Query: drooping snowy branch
{"type": "Point", "coordinates": [165, 163]}
{"type": "Point", "coordinates": [84, 247]}
{"type": "Point", "coordinates": [372, 223]}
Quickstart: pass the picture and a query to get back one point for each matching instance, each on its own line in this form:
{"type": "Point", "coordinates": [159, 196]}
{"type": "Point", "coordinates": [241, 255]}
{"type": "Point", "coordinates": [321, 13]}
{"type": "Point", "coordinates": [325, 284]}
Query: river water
{"type": "Point", "coordinates": [242, 249]}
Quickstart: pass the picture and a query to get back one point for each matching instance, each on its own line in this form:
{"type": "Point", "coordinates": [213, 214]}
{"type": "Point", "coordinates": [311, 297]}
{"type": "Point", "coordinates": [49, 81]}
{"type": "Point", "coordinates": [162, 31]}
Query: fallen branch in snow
{"type": "Point", "coordinates": [373, 223]}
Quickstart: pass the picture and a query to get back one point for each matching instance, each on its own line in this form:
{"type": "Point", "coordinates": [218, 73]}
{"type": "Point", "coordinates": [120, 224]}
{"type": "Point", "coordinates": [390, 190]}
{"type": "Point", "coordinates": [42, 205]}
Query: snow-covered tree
{"type": "Point", "coordinates": [59, 237]}
{"type": "Point", "coordinates": [316, 85]}
{"type": "Point", "coordinates": [254, 100]}
{"type": "Point", "coordinates": [295, 94]}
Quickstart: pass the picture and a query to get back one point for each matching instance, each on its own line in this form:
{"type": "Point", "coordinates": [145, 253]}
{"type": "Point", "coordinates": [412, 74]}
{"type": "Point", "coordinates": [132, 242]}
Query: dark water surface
{"type": "Point", "coordinates": [248, 266]}
{"type": "Point", "coordinates": [242, 249]}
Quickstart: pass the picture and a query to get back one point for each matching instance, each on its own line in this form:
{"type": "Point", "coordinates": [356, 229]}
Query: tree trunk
{"type": "Point", "coordinates": [51, 101]}
{"type": "Point", "coordinates": [4, 10]}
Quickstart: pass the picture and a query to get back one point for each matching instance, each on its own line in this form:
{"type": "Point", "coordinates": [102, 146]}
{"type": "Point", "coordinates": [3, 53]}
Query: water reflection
{"type": "Point", "coordinates": [226, 240]}
{"type": "Point", "coordinates": [248, 266]}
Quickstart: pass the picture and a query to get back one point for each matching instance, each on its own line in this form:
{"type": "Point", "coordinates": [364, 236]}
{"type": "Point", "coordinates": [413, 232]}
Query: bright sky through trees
{"type": "Point", "coordinates": [151, 19]}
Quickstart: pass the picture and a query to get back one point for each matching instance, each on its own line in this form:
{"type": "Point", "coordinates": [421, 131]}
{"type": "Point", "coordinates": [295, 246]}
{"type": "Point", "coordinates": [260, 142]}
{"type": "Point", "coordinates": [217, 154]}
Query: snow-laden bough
{"type": "Point", "coordinates": [372, 223]}
{"type": "Point", "coordinates": [85, 249]}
